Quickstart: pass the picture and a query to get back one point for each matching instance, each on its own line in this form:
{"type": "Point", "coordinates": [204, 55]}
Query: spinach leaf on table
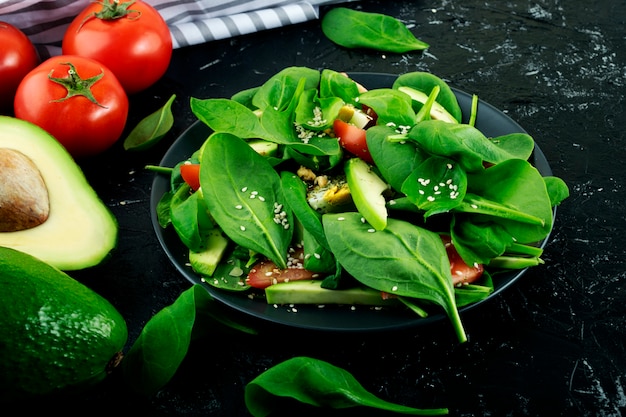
{"type": "Point", "coordinates": [155, 356]}
{"type": "Point", "coordinates": [355, 29]}
{"type": "Point", "coordinates": [319, 384]}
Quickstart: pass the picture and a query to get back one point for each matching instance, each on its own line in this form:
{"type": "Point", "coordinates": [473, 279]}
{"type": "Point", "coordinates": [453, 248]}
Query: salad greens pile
{"type": "Point", "coordinates": [443, 178]}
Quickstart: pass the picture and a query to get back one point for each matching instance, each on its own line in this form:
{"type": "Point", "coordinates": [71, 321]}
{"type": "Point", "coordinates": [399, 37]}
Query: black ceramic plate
{"type": "Point", "coordinates": [490, 121]}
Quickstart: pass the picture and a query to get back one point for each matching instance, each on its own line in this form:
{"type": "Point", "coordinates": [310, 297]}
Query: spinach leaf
{"type": "Point", "coordinates": [355, 29]}
{"type": "Point", "coordinates": [436, 186]}
{"type": "Point", "coordinates": [243, 193]}
{"type": "Point", "coordinates": [403, 259]}
{"type": "Point", "coordinates": [163, 209]}
{"type": "Point", "coordinates": [557, 190]}
{"type": "Point", "coordinates": [473, 293]}
{"type": "Point", "coordinates": [514, 193]}
{"type": "Point", "coordinates": [395, 160]}
{"type": "Point", "coordinates": [517, 145]}
{"type": "Point", "coordinates": [317, 113]}
{"type": "Point", "coordinates": [184, 216]}
{"type": "Point", "coordinates": [295, 193]}
{"type": "Point", "coordinates": [155, 356]}
{"type": "Point", "coordinates": [229, 116]}
{"type": "Point", "coordinates": [335, 84]}
{"type": "Point", "coordinates": [278, 92]}
{"type": "Point", "coordinates": [150, 130]}
{"type": "Point", "coordinates": [316, 383]}
{"type": "Point", "coordinates": [391, 106]}
{"type": "Point", "coordinates": [463, 143]}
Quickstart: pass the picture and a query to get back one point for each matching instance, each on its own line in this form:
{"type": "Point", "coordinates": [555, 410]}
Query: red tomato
{"type": "Point", "coordinates": [266, 273]}
{"type": "Point", "coordinates": [18, 57]}
{"type": "Point", "coordinates": [49, 97]}
{"type": "Point", "coordinates": [191, 175]}
{"type": "Point", "coordinates": [352, 139]}
{"type": "Point", "coordinates": [129, 37]}
{"type": "Point", "coordinates": [462, 273]}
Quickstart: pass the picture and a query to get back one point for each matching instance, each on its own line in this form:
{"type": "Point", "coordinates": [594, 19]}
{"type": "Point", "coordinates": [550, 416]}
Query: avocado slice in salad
{"type": "Point", "coordinates": [367, 190]}
{"type": "Point", "coordinates": [437, 112]}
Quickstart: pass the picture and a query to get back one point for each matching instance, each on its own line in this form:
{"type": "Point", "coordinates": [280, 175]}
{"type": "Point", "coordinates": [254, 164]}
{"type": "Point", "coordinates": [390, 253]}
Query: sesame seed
{"type": "Point", "coordinates": [394, 288]}
{"type": "Point", "coordinates": [261, 198]}
{"type": "Point", "coordinates": [474, 206]}
{"type": "Point", "coordinates": [449, 166]}
{"type": "Point", "coordinates": [371, 230]}
{"type": "Point", "coordinates": [244, 189]}
{"type": "Point", "coordinates": [238, 206]}
{"type": "Point", "coordinates": [341, 219]}
{"type": "Point", "coordinates": [317, 256]}
{"type": "Point", "coordinates": [242, 228]}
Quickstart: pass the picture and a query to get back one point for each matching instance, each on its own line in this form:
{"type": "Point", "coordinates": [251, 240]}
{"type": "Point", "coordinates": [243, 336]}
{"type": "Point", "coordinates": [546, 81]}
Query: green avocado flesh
{"type": "Point", "coordinates": [80, 231]}
{"type": "Point", "coordinates": [57, 334]}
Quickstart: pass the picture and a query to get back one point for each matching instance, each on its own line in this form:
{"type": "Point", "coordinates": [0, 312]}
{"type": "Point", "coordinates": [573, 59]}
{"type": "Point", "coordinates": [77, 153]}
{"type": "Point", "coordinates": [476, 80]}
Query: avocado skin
{"type": "Point", "coordinates": [57, 335]}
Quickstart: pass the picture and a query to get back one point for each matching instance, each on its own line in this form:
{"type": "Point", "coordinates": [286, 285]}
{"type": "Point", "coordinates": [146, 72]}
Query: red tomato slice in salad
{"type": "Point", "coordinates": [462, 273]}
{"type": "Point", "coordinates": [266, 273]}
{"type": "Point", "coordinates": [191, 175]}
{"type": "Point", "coordinates": [352, 139]}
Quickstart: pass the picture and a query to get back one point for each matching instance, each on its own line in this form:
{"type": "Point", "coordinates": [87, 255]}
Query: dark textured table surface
{"type": "Point", "coordinates": [551, 345]}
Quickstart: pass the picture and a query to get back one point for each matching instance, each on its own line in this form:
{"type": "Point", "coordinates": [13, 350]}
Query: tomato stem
{"type": "Point", "coordinates": [75, 85]}
{"type": "Point", "coordinates": [112, 10]}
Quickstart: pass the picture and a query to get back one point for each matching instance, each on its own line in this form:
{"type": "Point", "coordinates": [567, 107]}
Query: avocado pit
{"type": "Point", "coordinates": [24, 200]}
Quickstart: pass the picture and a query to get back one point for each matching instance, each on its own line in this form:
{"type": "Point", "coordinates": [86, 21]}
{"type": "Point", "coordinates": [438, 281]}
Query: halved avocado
{"type": "Point", "coordinates": [79, 231]}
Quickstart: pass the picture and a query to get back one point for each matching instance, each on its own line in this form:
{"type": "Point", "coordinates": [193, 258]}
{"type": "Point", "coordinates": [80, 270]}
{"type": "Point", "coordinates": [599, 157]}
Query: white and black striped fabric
{"type": "Point", "coordinates": [191, 22]}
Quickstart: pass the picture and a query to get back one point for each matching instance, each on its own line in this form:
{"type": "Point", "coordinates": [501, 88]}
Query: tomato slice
{"type": "Point", "coordinates": [266, 273]}
{"type": "Point", "coordinates": [352, 139]}
{"type": "Point", "coordinates": [191, 175]}
{"type": "Point", "coordinates": [462, 273]}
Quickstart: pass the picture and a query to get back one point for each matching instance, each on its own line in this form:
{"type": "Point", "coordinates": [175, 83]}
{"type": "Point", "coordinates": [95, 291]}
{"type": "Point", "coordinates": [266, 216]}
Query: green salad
{"type": "Point", "coordinates": [312, 189]}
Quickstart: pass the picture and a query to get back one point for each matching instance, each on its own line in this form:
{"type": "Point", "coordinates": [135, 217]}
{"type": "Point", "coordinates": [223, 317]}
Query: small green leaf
{"type": "Point", "coordinates": [151, 129]}
{"type": "Point", "coordinates": [316, 383]}
{"type": "Point", "coordinates": [162, 345]}
{"type": "Point", "coordinates": [355, 29]}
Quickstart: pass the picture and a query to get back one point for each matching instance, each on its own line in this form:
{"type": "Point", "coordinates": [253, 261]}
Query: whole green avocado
{"type": "Point", "coordinates": [57, 334]}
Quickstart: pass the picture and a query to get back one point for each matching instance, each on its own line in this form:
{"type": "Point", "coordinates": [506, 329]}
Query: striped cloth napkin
{"type": "Point", "coordinates": [191, 22]}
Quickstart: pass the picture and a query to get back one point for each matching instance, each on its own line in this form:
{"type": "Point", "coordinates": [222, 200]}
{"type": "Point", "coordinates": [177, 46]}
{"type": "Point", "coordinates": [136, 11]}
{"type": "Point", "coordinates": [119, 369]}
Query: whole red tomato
{"type": "Point", "coordinates": [129, 37]}
{"type": "Point", "coordinates": [77, 100]}
{"type": "Point", "coordinates": [17, 57]}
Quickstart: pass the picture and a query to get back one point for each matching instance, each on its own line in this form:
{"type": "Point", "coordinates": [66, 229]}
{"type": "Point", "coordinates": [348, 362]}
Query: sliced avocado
{"type": "Point", "coordinates": [264, 147]}
{"type": "Point", "coordinates": [79, 231]}
{"type": "Point", "coordinates": [57, 334]}
{"type": "Point", "coordinates": [437, 112]}
{"type": "Point", "coordinates": [205, 261]}
{"type": "Point", "coordinates": [311, 292]}
{"type": "Point", "coordinates": [367, 192]}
